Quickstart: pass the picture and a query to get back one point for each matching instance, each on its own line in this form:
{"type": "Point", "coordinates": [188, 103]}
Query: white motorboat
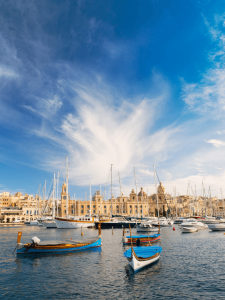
{"type": "Point", "coordinates": [222, 220]}
{"type": "Point", "coordinates": [209, 220]}
{"type": "Point", "coordinates": [146, 227]}
{"type": "Point", "coordinates": [189, 229]}
{"type": "Point", "coordinates": [163, 222]}
{"type": "Point", "coordinates": [194, 223]}
{"type": "Point", "coordinates": [217, 227]}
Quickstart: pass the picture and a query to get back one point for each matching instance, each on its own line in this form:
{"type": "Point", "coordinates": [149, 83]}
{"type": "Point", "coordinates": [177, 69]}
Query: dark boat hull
{"type": "Point", "coordinates": [107, 225]}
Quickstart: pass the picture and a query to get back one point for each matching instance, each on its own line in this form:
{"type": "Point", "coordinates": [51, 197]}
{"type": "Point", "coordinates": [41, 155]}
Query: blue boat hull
{"type": "Point", "coordinates": [58, 250]}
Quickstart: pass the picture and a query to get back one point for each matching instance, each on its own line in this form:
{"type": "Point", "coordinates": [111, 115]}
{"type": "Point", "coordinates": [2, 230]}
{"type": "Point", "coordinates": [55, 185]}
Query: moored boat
{"type": "Point", "coordinates": [194, 223]}
{"type": "Point", "coordinates": [146, 227]}
{"type": "Point", "coordinates": [56, 247]}
{"type": "Point", "coordinates": [75, 222]}
{"type": "Point", "coordinates": [217, 227]}
{"type": "Point", "coordinates": [142, 256]}
{"type": "Point", "coordinates": [189, 229]}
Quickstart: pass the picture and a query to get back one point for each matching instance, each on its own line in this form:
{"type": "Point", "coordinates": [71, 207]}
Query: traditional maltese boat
{"type": "Point", "coordinates": [142, 256]}
{"type": "Point", "coordinates": [142, 239]}
{"type": "Point", "coordinates": [56, 247]}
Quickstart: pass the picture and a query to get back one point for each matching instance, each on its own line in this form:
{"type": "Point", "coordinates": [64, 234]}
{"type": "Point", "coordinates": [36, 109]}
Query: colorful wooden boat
{"type": "Point", "coordinates": [40, 247]}
{"type": "Point", "coordinates": [142, 256]}
{"type": "Point", "coordinates": [142, 239]}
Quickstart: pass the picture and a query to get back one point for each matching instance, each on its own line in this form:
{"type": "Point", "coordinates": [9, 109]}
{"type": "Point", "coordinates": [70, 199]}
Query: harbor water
{"type": "Point", "coordinates": [191, 266]}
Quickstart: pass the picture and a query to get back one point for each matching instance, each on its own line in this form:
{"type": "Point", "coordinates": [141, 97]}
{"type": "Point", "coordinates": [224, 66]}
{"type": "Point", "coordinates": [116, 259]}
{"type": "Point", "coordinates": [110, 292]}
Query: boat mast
{"type": "Point", "coordinates": [156, 192]}
{"type": "Point", "coordinates": [120, 192]}
{"type": "Point", "coordinates": [67, 188]}
{"type": "Point", "coordinates": [111, 193]}
{"type": "Point", "coordinates": [90, 201]}
{"type": "Point", "coordinates": [175, 194]}
{"type": "Point", "coordinates": [53, 199]}
{"type": "Point", "coordinates": [57, 196]}
{"type": "Point", "coordinates": [136, 190]}
{"type": "Point", "coordinates": [39, 200]}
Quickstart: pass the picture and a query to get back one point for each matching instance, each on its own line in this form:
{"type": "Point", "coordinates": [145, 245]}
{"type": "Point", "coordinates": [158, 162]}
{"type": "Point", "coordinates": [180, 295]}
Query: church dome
{"type": "Point", "coordinates": [141, 193]}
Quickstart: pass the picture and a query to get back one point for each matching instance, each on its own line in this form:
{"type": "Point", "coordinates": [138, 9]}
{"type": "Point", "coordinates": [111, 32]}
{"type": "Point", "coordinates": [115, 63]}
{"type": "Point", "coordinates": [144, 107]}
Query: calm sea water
{"type": "Point", "coordinates": [191, 266]}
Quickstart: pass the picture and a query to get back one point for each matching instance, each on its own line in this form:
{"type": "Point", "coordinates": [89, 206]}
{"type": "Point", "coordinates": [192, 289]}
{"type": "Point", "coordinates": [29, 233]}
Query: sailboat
{"type": "Point", "coordinates": [74, 222]}
{"type": "Point", "coordinates": [56, 247]}
{"type": "Point", "coordinates": [142, 256]}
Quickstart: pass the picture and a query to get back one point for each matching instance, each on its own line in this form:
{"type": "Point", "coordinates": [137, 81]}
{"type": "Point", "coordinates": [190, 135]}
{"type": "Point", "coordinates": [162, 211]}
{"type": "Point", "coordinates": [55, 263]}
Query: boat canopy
{"type": "Point", "coordinates": [141, 236]}
{"type": "Point", "coordinates": [144, 252]}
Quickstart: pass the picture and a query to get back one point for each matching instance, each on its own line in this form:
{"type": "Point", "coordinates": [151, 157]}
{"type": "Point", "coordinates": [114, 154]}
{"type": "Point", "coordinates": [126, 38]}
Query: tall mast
{"type": "Point", "coordinates": [136, 190]}
{"type": "Point", "coordinates": [111, 193]}
{"type": "Point", "coordinates": [67, 187]}
{"type": "Point", "coordinates": [39, 200]}
{"type": "Point", "coordinates": [142, 203]}
{"type": "Point", "coordinates": [120, 192]}
{"type": "Point", "coordinates": [175, 192]}
{"type": "Point", "coordinates": [90, 200]}
{"type": "Point", "coordinates": [156, 193]}
{"type": "Point", "coordinates": [53, 199]}
{"type": "Point", "coordinates": [57, 196]}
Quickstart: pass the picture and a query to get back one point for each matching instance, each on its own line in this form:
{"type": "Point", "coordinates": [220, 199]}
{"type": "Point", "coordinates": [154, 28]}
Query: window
{"type": "Point", "coordinates": [72, 211]}
{"type": "Point", "coordinates": [105, 211]}
{"type": "Point", "coordinates": [141, 210]}
{"type": "Point", "coordinates": [82, 211]}
{"type": "Point", "coordinates": [123, 200]}
{"type": "Point", "coordinates": [93, 206]}
{"type": "Point", "coordinates": [64, 197]}
{"type": "Point", "coordinates": [94, 211]}
{"type": "Point", "coordinates": [87, 206]}
{"type": "Point", "coordinates": [130, 206]}
{"type": "Point", "coordinates": [117, 206]}
{"type": "Point", "coordinates": [82, 206]}
{"type": "Point", "coordinates": [117, 211]}
{"type": "Point", "coordinates": [136, 211]}
{"type": "Point", "coordinates": [133, 198]}
{"type": "Point", "coordinates": [130, 211]}
{"type": "Point", "coordinates": [27, 212]}
{"type": "Point", "coordinates": [104, 206]}
{"type": "Point", "coordinates": [64, 211]}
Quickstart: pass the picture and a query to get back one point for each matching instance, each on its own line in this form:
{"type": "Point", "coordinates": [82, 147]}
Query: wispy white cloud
{"type": "Point", "coordinates": [216, 143]}
{"type": "Point", "coordinates": [7, 72]}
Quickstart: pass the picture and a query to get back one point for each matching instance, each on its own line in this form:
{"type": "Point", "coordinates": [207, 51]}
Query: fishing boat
{"type": "Point", "coordinates": [142, 239]}
{"type": "Point", "coordinates": [56, 247]}
{"type": "Point", "coordinates": [189, 229]}
{"type": "Point", "coordinates": [142, 256]}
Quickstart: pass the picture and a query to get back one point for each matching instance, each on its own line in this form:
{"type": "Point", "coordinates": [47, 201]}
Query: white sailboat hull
{"type": "Point", "coordinates": [49, 224]}
{"type": "Point", "coordinates": [73, 224]}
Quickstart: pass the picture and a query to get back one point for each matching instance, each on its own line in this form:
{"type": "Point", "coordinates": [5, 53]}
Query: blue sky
{"type": "Point", "coordinates": [128, 83]}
